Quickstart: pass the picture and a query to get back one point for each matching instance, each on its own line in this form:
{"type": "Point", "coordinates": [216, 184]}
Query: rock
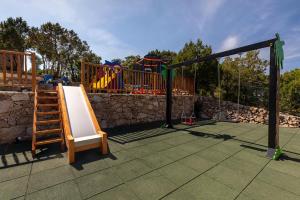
{"type": "Point", "coordinates": [8, 135]}
{"type": "Point", "coordinates": [20, 97]}
{"type": "Point", "coordinates": [5, 106]}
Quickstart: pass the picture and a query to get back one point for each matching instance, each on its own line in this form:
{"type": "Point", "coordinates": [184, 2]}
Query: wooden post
{"type": "Point", "coordinates": [19, 68]}
{"type": "Point", "coordinates": [154, 86]}
{"type": "Point", "coordinates": [33, 71]}
{"type": "Point", "coordinates": [4, 67]}
{"type": "Point", "coordinates": [82, 74]}
{"type": "Point", "coordinates": [26, 72]}
{"type": "Point", "coordinates": [11, 68]}
{"type": "Point", "coordinates": [274, 79]}
{"type": "Point", "coordinates": [169, 99]}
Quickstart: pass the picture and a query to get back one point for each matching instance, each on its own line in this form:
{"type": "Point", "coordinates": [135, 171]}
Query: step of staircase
{"type": "Point", "coordinates": [47, 105]}
{"type": "Point", "coordinates": [47, 91]}
{"type": "Point", "coordinates": [49, 141]}
{"type": "Point", "coordinates": [48, 122]}
{"type": "Point", "coordinates": [43, 115]}
{"type": "Point", "coordinates": [47, 98]}
{"type": "Point", "coordinates": [47, 113]}
{"type": "Point", "coordinates": [49, 131]}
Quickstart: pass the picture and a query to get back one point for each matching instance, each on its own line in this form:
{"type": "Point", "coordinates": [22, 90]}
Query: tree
{"type": "Point", "coordinates": [61, 50]}
{"type": "Point", "coordinates": [206, 77]}
{"type": "Point", "coordinates": [14, 34]}
{"type": "Point", "coordinates": [130, 61]}
{"type": "Point", "coordinates": [253, 82]}
{"type": "Point", "coordinates": [169, 57]}
{"type": "Point", "coordinates": [290, 92]}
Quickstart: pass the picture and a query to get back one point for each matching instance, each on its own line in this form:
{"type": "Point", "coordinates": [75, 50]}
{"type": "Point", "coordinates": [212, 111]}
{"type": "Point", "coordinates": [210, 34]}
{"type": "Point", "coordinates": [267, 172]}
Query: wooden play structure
{"type": "Point", "coordinates": [18, 69]}
{"type": "Point", "coordinates": [81, 128]}
{"type": "Point", "coordinates": [64, 115]}
{"type": "Point", "coordinates": [146, 78]}
{"type": "Point", "coordinates": [47, 124]}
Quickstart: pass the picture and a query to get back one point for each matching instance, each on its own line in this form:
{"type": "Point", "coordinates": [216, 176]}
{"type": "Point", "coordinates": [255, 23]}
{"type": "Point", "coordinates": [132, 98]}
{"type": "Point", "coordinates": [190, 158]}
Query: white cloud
{"type": "Point", "coordinates": [89, 19]}
{"type": "Point", "coordinates": [291, 56]}
{"type": "Point", "coordinates": [208, 9]}
{"type": "Point", "coordinates": [229, 43]}
{"type": "Point", "coordinates": [107, 45]}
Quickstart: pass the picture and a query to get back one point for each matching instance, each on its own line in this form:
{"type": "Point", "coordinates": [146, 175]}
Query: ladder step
{"type": "Point", "coordinates": [46, 122]}
{"type": "Point", "coordinates": [49, 141]}
{"type": "Point", "coordinates": [48, 131]}
{"type": "Point", "coordinates": [48, 105]}
{"type": "Point", "coordinates": [47, 97]}
{"type": "Point", "coordinates": [48, 113]}
{"type": "Point", "coordinates": [46, 91]}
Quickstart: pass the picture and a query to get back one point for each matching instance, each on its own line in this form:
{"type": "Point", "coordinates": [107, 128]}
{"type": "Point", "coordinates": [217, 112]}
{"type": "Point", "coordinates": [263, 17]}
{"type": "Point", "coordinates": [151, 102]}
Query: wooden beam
{"type": "Point", "coordinates": [11, 69]}
{"type": "Point", "coordinates": [19, 71]}
{"type": "Point", "coordinates": [66, 125]}
{"type": "Point", "coordinates": [274, 79]}
{"type": "Point", "coordinates": [4, 67]}
{"type": "Point", "coordinates": [33, 71]}
{"type": "Point", "coordinates": [82, 72]}
{"type": "Point", "coordinates": [169, 99]}
{"type": "Point", "coordinates": [242, 49]}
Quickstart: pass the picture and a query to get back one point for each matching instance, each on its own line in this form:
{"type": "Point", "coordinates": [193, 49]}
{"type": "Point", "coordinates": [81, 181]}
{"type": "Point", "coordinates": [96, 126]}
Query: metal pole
{"type": "Point", "coordinates": [169, 100]}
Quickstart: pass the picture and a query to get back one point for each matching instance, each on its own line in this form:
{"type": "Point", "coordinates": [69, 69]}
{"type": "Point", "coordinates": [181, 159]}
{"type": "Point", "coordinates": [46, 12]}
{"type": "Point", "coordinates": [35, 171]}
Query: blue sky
{"type": "Point", "coordinates": [118, 28]}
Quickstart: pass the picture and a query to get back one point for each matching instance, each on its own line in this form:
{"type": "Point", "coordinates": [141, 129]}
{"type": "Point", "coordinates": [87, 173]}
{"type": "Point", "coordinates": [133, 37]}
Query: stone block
{"type": "Point", "coordinates": [5, 106]}
{"type": "Point", "coordinates": [20, 97]}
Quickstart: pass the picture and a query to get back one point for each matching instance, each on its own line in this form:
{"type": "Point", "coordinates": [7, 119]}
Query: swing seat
{"type": "Point", "coordinates": [190, 121]}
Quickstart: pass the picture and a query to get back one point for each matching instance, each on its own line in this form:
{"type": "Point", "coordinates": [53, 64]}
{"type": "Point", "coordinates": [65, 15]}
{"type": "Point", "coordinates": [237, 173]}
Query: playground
{"type": "Point", "coordinates": [135, 132]}
{"type": "Point", "coordinates": [213, 161]}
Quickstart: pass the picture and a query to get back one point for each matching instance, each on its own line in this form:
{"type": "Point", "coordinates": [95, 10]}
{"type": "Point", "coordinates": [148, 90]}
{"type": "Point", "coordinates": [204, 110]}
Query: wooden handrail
{"type": "Point", "coordinates": [14, 66]}
{"type": "Point", "coordinates": [34, 123]}
{"type": "Point", "coordinates": [15, 52]}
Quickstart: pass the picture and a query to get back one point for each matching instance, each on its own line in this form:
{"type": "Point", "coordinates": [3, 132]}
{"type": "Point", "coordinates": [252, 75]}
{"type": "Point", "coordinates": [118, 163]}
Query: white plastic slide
{"type": "Point", "coordinates": [81, 128]}
{"type": "Point", "coordinates": [80, 119]}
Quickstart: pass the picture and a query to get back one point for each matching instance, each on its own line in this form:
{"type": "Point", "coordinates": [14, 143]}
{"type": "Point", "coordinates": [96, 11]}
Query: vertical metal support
{"type": "Point", "coordinates": [273, 132]}
{"type": "Point", "coordinates": [169, 99]}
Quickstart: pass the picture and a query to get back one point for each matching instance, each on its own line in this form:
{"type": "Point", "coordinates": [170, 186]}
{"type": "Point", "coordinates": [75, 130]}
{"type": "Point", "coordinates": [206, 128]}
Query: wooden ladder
{"type": "Point", "coordinates": [47, 120]}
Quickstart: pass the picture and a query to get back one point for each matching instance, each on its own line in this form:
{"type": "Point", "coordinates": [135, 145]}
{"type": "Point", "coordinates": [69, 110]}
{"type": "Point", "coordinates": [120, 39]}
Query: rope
{"type": "Point", "coordinates": [239, 88]}
{"type": "Point", "coordinates": [193, 113]}
{"type": "Point", "coordinates": [183, 115]}
{"type": "Point", "coordinates": [219, 86]}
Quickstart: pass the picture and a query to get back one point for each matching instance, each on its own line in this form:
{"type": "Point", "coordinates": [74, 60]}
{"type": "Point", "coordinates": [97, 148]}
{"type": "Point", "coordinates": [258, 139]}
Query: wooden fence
{"type": "Point", "coordinates": [97, 78]}
{"type": "Point", "coordinates": [14, 69]}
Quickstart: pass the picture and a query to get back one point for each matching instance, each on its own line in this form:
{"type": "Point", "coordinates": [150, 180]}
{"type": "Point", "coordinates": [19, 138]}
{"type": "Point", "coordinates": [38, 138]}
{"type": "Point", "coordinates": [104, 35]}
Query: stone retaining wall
{"type": "Point", "coordinates": [16, 115]}
{"type": "Point", "coordinates": [229, 111]}
{"type": "Point", "coordinates": [118, 109]}
{"type": "Point", "coordinates": [16, 111]}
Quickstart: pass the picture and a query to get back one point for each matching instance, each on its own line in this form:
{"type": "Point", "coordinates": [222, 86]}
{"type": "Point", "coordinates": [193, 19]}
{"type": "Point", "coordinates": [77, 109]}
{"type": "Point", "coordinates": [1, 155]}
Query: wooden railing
{"type": "Point", "coordinates": [97, 79]}
{"type": "Point", "coordinates": [14, 69]}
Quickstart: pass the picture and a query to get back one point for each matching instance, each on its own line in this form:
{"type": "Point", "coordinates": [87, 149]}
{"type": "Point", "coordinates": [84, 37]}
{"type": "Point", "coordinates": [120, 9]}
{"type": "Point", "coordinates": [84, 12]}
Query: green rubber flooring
{"type": "Point", "coordinates": [214, 161]}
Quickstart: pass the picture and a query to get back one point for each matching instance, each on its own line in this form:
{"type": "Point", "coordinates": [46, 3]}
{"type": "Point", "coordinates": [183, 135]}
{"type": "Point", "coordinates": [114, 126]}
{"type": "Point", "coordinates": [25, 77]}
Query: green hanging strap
{"type": "Point", "coordinates": [277, 154]}
{"type": "Point", "coordinates": [164, 72]}
{"type": "Point", "coordinates": [279, 54]}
